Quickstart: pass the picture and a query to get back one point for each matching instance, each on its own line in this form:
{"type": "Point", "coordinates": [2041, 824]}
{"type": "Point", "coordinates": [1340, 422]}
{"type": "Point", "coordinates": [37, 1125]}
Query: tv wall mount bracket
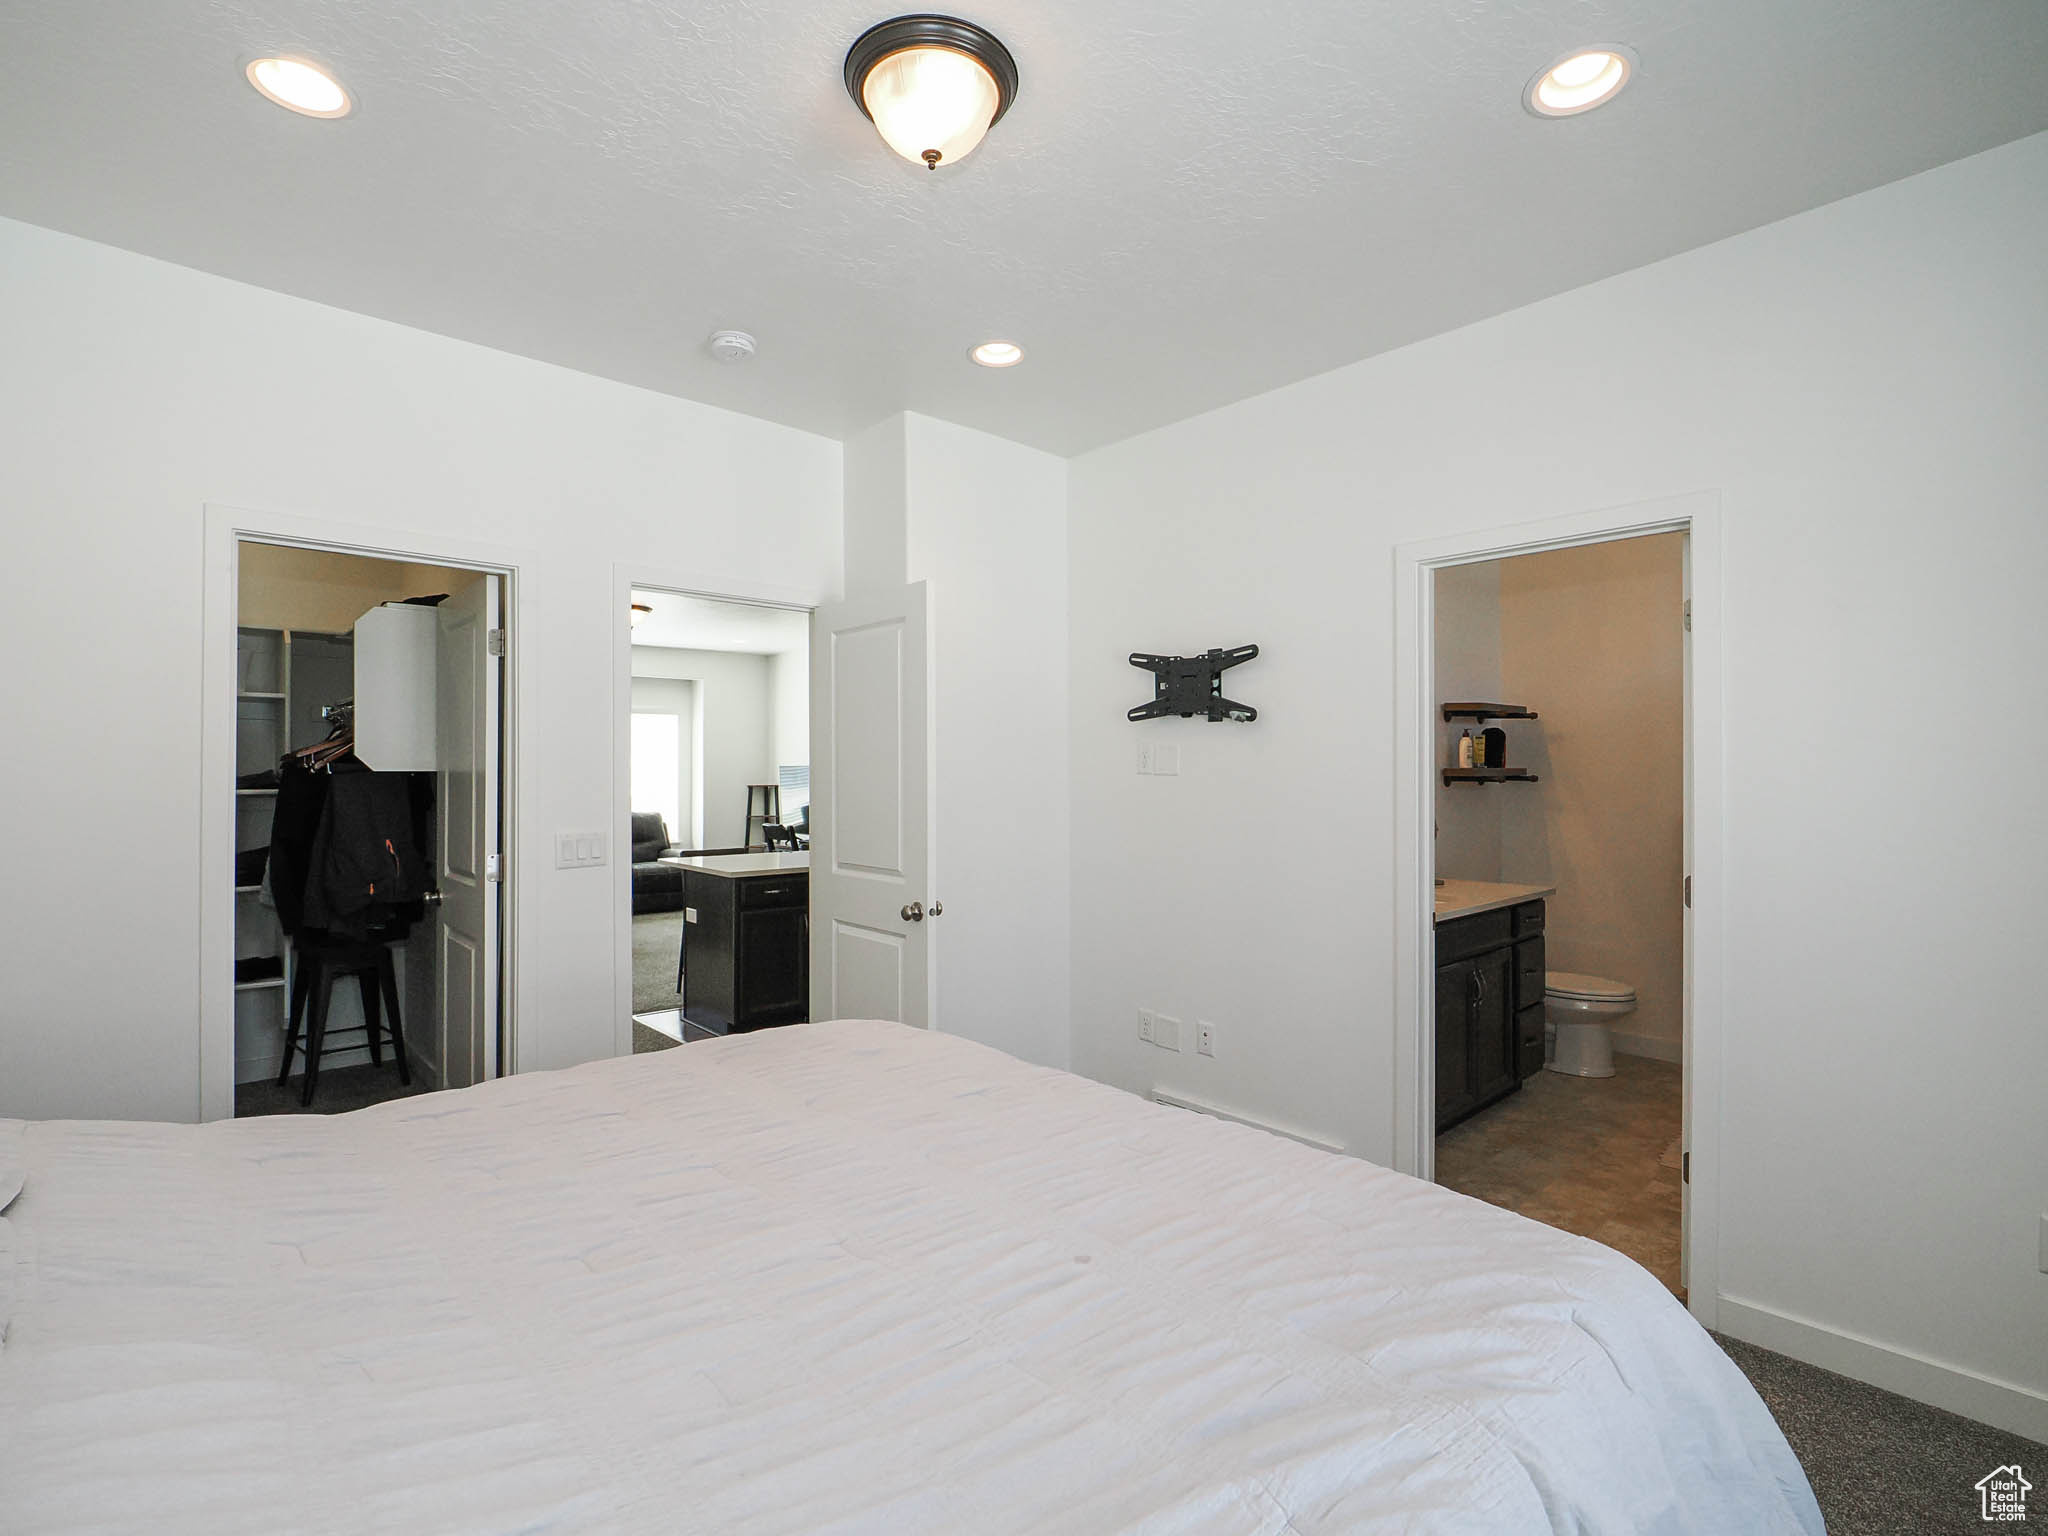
{"type": "Point", "coordinates": [1193, 685]}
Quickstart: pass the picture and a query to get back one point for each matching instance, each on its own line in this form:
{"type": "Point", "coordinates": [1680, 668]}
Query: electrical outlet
{"type": "Point", "coordinates": [1147, 1025]}
{"type": "Point", "coordinates": [1144, 757]}
{"type": "Point", "coordinates": [1205, 1038]}
{"type": "Point", "coordinates": [1166, 1032]}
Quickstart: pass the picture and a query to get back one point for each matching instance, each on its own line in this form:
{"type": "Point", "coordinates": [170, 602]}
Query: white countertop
{"type": "Point", "coordinates": [734, 865]}
{"type": "Point", "coordinates": [1462, 898]}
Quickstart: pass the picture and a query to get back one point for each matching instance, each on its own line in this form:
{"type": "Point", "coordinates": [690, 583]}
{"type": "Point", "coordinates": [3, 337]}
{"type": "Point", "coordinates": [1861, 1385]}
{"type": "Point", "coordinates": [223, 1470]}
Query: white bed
{"type": "Point", "coordinates": [839, 1277]}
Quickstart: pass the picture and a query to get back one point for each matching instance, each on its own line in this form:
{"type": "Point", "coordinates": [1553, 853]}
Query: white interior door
{"type": "Point", "coordinates": [871, 810]}
{"type": "Point", "coordinates": [1685, 943]}
{"type": "Point", "coordinates": [466, 813]}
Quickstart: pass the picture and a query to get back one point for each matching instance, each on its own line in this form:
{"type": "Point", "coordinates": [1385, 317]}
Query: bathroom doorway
{"type": "Point", "coordinates": [715, 705]}
{"type": "Point", "coordinates": [1549, 971]}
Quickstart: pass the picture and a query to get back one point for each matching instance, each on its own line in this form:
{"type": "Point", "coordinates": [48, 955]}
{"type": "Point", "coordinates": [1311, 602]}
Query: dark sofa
{"type": "Point", "coordinates": [656, 887]}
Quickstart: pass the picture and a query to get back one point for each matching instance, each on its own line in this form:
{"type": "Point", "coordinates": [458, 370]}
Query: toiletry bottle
{"type": "Point", "coordinates": [1464, 749]}
{"type": "Point", "coordinates": [1479, 750]}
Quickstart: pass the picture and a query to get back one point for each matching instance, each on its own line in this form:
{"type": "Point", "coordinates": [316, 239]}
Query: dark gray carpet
{"type": "Point", "coordinates": [340, 1089]}
{"type": "Point", "coordinates": [1880, 1464]}
{"type": "Point", "coordinates": [657, 937]}
{"type": "Point", "coordinates": [645, 1039]}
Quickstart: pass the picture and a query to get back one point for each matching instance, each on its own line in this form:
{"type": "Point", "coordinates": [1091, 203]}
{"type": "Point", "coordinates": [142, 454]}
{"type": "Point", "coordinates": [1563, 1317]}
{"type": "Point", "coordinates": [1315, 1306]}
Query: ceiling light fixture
{"type": "Point", "coordinates": [636, 613]}
{"type": "Point", "coordinates": [931, 85]}
{"type": "Point", "coordinates": [998, 354]}
{"type": "Point", "coordinates": [303, 88]}
{"type": "Point", "coordinates": [1583, 79]}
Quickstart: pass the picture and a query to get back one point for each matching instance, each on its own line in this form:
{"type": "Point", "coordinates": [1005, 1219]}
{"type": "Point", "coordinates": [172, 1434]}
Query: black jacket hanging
{"type": "Point", "coordinates": [301, 798]}
{"type": "Point", "coordinates": [366, 870]}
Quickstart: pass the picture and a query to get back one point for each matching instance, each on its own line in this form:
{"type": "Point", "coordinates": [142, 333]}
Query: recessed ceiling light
{"type": "Point", "coordinates": [303, 87]}
{"type": "Point", "coordinates": [998, 354]}
{"type": "Point", "coordinates": [931, 85]}
{"type": "Point", "coordinates": [1580, 81]}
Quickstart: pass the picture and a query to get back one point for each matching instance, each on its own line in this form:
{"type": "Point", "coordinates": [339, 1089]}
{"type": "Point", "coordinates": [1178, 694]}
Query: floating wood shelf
{"type": "Point", "coordinates": [1488, 776]}
{"type": "Point", "coordinates": [1480, 711]}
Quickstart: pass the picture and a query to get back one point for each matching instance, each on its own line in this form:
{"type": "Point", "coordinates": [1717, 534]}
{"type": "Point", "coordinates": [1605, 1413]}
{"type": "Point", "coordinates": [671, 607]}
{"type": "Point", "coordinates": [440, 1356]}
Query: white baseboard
{"type": "Point", "coordinates": [2002, 1404]}
{"type": "Point", "coordinates": [1181, 1101]}
{"type": "Point", "coordinates": [1653, 1046]}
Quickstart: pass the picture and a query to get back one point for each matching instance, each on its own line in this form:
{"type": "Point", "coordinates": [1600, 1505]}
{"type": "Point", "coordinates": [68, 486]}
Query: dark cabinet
{"type": "Point", "coordinates": [1489, 1008]}
{"type": "Point", "coordinates": [747, 951]}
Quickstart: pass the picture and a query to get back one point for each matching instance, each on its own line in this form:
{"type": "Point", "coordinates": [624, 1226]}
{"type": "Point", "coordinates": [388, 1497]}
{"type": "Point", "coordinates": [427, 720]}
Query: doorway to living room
{"type": "Point", "coordinates": [718, 745]}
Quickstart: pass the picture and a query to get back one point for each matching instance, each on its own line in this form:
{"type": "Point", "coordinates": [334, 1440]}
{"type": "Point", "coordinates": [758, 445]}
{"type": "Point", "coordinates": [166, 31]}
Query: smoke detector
{"type": "Point", "coordinates": [731, 346]}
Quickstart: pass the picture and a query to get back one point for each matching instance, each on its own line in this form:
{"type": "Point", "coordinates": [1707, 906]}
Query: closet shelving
{"type": "Point", "coordinates": [262, 705]}
{"type": "Point", "coordinates": [277, 707]}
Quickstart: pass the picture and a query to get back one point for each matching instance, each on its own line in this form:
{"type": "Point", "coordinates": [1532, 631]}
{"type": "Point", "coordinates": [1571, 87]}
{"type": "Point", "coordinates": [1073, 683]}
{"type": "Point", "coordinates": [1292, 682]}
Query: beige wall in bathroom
{"type": "Point", "coordinates": [1591, 639]}
{"type": "Point", "coordinates": [1467, 667]}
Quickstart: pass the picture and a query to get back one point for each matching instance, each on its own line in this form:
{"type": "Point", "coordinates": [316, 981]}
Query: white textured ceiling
{"type": "Point", "coordinates": [708, 624]}
{"type": "Point", "coordinates": [1191, 201]}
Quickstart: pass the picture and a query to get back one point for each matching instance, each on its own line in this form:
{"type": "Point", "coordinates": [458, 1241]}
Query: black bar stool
{"type": "Point", "coordinates": [321, 961]}
{"type": "Point", "coordinates": [764, 808]}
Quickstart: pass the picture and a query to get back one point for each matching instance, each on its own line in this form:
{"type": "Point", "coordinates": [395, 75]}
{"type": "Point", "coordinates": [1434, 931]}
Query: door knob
{"type": "Point", "coordinates": [432, 898]}
{"type": "Point", "coordinates": [914, 913]}
{"type": "Point", "coordinates": [938, 909]}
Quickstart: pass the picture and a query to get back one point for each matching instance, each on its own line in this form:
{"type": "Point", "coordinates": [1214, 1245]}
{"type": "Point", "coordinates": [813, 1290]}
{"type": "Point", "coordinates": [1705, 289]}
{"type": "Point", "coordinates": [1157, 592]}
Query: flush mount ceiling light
{"type": "Point", "coordinates": [931, 85]}
{"type": "Point", "coordinates": [303, 88]}
{"type": "Point", "coordinates": [998, 354]}
{"type": "Point", "coordinates": [1583, 79]}
{"type": "Point", "coordinates": [636, 613]}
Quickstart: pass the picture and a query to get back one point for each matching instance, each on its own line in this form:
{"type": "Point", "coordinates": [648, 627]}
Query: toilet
{"type": "Point", "coordinates": [1578, 1015]}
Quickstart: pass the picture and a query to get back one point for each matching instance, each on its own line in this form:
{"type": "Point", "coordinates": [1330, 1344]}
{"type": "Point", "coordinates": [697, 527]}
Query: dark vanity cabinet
{"type": "Point", "coordinates": [1489, 1007]}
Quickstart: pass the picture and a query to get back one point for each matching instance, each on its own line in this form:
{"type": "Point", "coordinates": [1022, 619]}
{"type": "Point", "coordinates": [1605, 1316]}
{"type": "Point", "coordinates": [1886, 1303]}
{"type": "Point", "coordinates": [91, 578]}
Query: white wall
{"type": "Point", "coordinates": [1591, 638]}
{"type": "Point", "coordinates": [1468, 816]}
{"type": "Point", "coordinates": [132, 393]}
{"type": "Point", "coordinates": [734, 734]}
{"type": "Point", "coordinates": [1865, 385]}
{"type": "Point", "coordinates": [671, 696]}
{"type": "Point", "coordinates": [789, 704]}
{"type": "Point", "coordinates": [985, 526]}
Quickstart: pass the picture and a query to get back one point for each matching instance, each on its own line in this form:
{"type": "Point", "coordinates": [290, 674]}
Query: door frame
{"type": "Point", "coordinates": [628, 577]}
{"type": "Point", "coordinates": [1697, 515]}
{"type": "Point", "coordinates": [227, 528]}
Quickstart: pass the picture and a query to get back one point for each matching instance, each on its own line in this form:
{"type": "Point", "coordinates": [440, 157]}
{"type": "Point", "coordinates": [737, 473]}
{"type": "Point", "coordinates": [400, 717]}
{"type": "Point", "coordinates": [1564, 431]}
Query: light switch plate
{"type": "Point", "coordinates": [579, 850]}
{"type": "Point", "coordinates": [1166, 1032]}
{"type": "Point", "coordinates": [1166, 758]}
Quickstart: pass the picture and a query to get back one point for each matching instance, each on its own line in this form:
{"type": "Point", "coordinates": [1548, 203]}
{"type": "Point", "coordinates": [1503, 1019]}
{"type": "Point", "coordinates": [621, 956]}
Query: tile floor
{"type": "Point", "coordinates": [1581, 1153]}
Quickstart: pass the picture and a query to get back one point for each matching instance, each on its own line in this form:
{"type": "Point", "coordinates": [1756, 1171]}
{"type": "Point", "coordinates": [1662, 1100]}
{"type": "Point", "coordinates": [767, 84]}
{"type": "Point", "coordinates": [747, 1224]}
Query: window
{"type": "Point", "coordinates": [658, 770]}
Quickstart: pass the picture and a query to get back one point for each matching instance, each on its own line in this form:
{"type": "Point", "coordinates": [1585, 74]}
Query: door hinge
{"type": "Point", "coordinates": [1685, 1167]}
{"type": "Point", "coordinates": [1688, 892]}
{"type": "Point", "coordinates": [494, 868]}
{"type": "Point", "coordinates": [494, 642]}
{"type": "Point", "coordinates": [1688, 615]}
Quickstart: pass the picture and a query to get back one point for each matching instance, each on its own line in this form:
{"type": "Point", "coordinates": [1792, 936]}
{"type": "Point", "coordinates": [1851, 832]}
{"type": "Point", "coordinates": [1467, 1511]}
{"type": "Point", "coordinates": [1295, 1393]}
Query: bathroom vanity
{"type": "Point", "coordinates": [1489, 993]}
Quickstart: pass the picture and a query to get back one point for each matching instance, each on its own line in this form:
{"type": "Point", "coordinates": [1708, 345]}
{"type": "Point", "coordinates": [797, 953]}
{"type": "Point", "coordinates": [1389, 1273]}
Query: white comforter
{"type": "Point", "coordinates": [840, 1277]}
